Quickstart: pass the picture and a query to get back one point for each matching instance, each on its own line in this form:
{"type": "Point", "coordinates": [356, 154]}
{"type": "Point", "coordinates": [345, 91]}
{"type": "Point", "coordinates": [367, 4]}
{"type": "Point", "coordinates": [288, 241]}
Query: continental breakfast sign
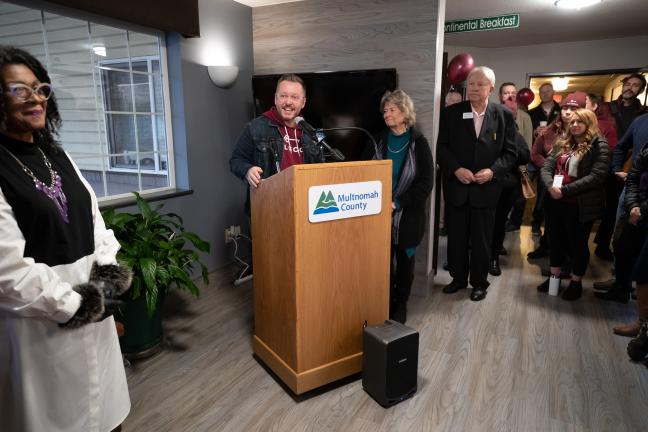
{"type": "Point", "coordinates": [480, 24]}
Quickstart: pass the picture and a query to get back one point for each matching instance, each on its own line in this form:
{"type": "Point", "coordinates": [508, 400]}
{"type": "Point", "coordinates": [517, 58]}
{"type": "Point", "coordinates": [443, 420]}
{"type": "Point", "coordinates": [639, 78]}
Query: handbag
{"type": "Point", "coordinates": [527, 187]}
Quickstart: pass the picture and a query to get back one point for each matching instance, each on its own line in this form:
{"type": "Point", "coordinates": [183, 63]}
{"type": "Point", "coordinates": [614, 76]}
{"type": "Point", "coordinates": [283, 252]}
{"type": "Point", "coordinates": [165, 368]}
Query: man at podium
{"type": "Point", "coordinates": [273, 141]}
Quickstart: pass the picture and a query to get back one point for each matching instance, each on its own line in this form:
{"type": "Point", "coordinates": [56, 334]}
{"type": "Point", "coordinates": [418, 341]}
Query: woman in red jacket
{"type": "Point", "coordinates": [542, 146]}
{"type": "Point", "coordinates": [574, 174]}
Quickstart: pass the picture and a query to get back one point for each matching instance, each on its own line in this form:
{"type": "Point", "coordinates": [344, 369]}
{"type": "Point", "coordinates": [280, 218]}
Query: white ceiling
{"type": "Point", "coordinates": [540, 21]}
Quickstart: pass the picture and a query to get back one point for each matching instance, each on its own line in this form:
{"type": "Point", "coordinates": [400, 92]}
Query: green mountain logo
{"type": "Point", "coordinates": [326, 204]}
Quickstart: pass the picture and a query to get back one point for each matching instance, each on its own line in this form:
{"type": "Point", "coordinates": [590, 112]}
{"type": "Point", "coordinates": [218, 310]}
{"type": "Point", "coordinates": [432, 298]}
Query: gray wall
{"type": "Point", "coordinates": [207, 121]}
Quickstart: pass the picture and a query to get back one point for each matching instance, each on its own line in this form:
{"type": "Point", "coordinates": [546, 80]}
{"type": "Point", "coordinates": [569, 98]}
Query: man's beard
{"type": "Point", "coordinates": [628, 94]}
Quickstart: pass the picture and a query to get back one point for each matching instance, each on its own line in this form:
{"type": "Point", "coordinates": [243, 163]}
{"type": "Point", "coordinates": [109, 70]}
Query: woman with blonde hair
{"type": "Point", "coordinates": [412, 180]}
{"type": "Point", "coordinates": [574, 174]}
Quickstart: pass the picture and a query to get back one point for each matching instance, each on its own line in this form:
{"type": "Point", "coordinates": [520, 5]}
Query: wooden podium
{"type": "Point", "coordinates": [315, 284]}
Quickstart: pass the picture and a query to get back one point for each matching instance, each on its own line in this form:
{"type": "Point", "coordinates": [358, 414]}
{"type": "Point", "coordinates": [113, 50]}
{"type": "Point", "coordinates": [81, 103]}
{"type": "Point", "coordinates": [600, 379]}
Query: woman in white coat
{"type": "Point", "coordinates": [60, 364]}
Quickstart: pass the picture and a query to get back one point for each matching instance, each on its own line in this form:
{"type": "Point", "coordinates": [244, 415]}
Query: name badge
{"type": "Point", "coordinates": [468, 115]}
{"type": "Point", "coordinates": [558, 180]}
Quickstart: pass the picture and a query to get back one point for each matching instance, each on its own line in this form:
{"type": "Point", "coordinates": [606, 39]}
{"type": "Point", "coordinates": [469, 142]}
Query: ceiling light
{"type": "Point", "coordinates": [576, 4]}
{"type": "Point", "coordinates": [560, 83]}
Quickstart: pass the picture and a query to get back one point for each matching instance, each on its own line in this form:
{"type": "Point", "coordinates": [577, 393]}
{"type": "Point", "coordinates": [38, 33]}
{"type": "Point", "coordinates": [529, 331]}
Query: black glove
{"type": "Point", "coordinates": [115, 280]}
{"type": "Point", "coordinates": [92, 306]}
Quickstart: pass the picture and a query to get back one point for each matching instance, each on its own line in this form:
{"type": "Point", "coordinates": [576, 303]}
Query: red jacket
{"type": "Point", "coordinates": [607, 125]}
{"type": "Point", "coordinates": [543, 144]}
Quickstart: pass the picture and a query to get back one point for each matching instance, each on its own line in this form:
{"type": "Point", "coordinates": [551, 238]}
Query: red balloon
{"type": "Point", "coordinates": [525, 96]}
{"type": "Point", "coordinates": [459, 68]}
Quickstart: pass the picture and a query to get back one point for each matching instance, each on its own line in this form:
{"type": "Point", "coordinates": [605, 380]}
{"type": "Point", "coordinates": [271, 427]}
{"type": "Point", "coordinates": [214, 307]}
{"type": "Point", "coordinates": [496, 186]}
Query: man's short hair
{"type": "Point", "coordinates": [292, 78]}
{"type": "Point", "coordinates": [595, 99]}
{"type": "Point", "coordinates": [638, 76]}
{"type": "Point", "coordinates": [508, 83]}
{"type": "Point", "coordinates": [486, 71]}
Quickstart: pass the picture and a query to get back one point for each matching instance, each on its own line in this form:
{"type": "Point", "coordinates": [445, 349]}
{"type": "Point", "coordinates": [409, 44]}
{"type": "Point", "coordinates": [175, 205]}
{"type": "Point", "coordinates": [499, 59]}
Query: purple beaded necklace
{"type": "Point", "coordinates": [54, 191]}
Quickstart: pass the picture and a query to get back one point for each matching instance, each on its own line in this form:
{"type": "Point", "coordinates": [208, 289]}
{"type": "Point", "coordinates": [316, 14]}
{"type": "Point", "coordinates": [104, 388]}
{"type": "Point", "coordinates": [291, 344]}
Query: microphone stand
{"type": "Point", "coordinates": [365, 131]}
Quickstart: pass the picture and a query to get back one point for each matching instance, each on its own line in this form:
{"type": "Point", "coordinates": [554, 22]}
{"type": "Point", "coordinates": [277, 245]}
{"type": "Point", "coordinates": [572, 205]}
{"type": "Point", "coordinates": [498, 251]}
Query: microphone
{"type": "Point", "coordinates": [337, 154]}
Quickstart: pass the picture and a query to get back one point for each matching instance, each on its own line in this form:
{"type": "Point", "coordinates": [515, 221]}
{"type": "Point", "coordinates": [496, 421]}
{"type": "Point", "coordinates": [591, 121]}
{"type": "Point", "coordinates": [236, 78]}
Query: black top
{"type": "Point", "coordinates": [48, 238]}
{"type": "Point", "coordinates": [538, 114]}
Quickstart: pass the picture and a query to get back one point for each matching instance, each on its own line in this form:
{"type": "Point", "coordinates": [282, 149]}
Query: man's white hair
{"type": "Point", "coordinates": [486, 71]}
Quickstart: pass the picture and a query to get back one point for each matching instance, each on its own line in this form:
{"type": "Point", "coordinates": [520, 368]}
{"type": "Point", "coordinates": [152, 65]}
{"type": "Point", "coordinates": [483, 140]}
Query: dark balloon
{"type": "Point", "coordinates": [459, 68]}
{"type": "Point", "coordinates": [525, 96]}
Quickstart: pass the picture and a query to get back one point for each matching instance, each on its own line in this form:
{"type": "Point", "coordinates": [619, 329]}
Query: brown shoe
{"type": "Point", "coordinates": [628, 330]}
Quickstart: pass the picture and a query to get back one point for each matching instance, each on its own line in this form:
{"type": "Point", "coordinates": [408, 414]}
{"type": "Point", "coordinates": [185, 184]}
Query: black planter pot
{"type": "Point", "coordinates": [142, 334]}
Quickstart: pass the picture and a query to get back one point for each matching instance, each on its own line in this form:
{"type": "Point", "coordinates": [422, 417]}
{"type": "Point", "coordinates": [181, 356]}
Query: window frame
{"type": "Point", "coordinates": [42, 8]}
{"type": "Point", "coordinates": [156, 144]}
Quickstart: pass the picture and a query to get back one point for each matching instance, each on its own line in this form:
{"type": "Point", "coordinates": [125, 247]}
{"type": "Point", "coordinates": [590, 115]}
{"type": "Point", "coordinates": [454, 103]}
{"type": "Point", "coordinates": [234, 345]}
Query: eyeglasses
{"type": "Point", "coordinates": [285, 97]}
{"type": "Point", "coordinates": [24, 92]}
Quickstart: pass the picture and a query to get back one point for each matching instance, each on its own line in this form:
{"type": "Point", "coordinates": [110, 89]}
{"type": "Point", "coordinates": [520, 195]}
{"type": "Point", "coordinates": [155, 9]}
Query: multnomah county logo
{"type": "Point", "coordinates": [326, 204]}
{"type": "Point", "coordinates": [346, 200]}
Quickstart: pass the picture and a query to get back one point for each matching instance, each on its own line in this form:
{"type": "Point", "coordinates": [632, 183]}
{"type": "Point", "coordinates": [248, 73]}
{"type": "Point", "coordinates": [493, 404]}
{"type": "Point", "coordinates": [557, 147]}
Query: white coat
{"type": "Point", "coordinates": [54, 379]}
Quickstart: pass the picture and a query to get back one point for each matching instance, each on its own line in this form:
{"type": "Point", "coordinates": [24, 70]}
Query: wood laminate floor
{"type": "Point", "coordinates": [517, 361]}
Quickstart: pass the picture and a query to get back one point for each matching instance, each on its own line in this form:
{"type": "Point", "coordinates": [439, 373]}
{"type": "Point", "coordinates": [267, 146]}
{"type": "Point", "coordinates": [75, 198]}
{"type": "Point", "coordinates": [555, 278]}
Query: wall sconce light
{"type": "Point", "coordinates": [223, 76]}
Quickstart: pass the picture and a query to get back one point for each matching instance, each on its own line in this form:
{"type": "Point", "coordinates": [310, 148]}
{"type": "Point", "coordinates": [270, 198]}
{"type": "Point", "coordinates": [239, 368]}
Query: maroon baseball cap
{"type": "Point", "coordinates": [576, 99]}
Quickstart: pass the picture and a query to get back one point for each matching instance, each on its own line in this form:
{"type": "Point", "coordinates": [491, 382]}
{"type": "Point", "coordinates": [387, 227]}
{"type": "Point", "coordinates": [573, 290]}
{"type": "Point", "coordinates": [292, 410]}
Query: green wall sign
{"type": "Point", "coordinates": [480, 24]}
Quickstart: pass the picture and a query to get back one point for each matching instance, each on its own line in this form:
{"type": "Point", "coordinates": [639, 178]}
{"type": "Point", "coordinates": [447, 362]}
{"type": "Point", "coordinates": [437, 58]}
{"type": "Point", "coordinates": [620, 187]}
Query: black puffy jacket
{"type": "Point", "coordinates": [633, 194]}
{"type": "Point", "coordinates": [588, 187]}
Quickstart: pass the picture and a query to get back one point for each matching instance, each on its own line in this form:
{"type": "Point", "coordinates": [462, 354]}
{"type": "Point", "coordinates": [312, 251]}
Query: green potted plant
{"type": "Point", "coordinates": [155, 246]}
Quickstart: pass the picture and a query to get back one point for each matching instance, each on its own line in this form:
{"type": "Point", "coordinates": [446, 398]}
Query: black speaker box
{"type": "Point", "coordinates": [390, 362]}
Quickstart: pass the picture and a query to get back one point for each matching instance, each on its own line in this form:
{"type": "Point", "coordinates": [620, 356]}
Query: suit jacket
{"type": "Point", "coordinates": [459, 147]}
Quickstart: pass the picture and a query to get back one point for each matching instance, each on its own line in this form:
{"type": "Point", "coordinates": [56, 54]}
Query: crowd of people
{"type": "Point", "coordinates": [589, 159]}
{"type": "Point", "coordinates": [578, 152]}
{"type": "Point", "coordinates": [58, 270]}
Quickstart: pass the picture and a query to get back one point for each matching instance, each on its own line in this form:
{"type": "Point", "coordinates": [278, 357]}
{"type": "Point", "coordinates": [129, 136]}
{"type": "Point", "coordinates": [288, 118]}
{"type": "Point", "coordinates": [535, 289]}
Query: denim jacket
{"type": "Point", "coordinates": [260, 144]}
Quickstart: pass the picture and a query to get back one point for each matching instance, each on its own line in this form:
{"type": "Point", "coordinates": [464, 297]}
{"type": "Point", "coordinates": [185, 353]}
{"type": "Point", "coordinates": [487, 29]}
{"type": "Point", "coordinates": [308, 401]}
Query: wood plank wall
{"type": "Point", "coordinates": [336, 35]}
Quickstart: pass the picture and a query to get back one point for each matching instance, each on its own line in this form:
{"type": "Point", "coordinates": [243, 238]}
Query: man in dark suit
{"type": "Point", "coordinates": [476, 148]}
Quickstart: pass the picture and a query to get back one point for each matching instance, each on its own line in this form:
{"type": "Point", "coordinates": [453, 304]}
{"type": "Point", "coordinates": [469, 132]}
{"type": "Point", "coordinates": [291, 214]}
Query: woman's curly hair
{"type": "Point", "coordinates": [569, 143]}
{"type": "Point", "coordinates": [10, 55]}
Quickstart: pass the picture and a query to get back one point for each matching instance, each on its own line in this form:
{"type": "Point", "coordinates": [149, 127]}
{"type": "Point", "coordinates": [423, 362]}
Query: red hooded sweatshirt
{"type": "Point", "coordinates": [292, 148]}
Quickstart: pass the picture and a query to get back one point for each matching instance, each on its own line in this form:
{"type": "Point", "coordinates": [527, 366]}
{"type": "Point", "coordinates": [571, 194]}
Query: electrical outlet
{"type": "Point", "coordinates": [232, 232]}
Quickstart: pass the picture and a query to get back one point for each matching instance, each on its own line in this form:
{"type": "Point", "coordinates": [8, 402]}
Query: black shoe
{"type": "Point", "coordinates": [535, 229]}
{"type": "Point", "coordinates": [494, 268]}
{"type": "Point", "coordinates": [604, 253]}
{"type": "Point", "coordinates": [541, 252]}
{"type": "Point", "coordinates": [454, 286]}
{"type": "Point", "coordinates": [478, 294]}
{"type": "Point", "coordinates": [511, 227]}
{"type": "Point", "coordinates": [616, 294]}
{"type": "Point", "coordinates": [503, 251]}
{"type": "Point", "coordinates": [573, 292]}
{"type": "Point", "coordinates": [543, 287]}
{"type": "Point", "coordinates": [443, 231]}
{"type": "Point", "coordinates": [398, 311]}
{"type": "Point", "coordinates": [604, 286]}
{"type": "Point", "coordinates": [638, 347]}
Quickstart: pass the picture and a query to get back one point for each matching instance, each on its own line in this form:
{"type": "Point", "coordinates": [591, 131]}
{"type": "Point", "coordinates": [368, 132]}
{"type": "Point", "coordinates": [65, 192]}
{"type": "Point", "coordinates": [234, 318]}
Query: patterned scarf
{"type": "Point", "coordinates": [408, 172]}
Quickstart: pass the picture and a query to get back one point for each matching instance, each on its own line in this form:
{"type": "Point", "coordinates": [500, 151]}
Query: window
{"type": "Point", "coordinates": [112, 91]}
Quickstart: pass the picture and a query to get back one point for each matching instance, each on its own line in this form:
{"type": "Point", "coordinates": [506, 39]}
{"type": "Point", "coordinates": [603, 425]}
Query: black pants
{"type": "Point", "coordinates": [401, 275]}
{"type": "Point", "coordinates": [613, 188]}
{"type": "Point", "coordinates": [499, 227]}
{"type": "Point", "coordinates": [567, 235]}
{"type": "Point", "coordinates": [538, 209]}
{"type": "Point", "coordinates": [518, 204]}
{"type": "Point", "coordinates": [630, 253]}
{"type": "Point", "coordinates": [470, 232]}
